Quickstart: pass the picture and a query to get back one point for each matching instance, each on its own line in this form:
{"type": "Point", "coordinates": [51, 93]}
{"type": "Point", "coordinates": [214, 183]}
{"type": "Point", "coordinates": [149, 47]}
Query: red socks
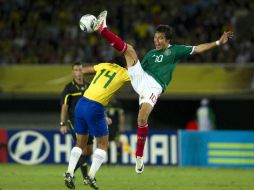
{"type": "Point", "coordinates": [142, 132]}
{"type": "Point", "coordinates": [114, 40]}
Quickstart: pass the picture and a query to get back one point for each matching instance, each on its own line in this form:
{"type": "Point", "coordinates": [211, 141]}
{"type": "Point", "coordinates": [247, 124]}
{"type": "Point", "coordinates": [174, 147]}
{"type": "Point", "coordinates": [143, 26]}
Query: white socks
{"type": "Point", "coordinates": [75, 154]}
{"type": "Point", "coordinates": [98, 158]}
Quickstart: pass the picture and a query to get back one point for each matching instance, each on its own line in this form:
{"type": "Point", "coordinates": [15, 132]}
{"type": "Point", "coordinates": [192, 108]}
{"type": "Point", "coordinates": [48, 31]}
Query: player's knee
{"type": "Point", "coordinates": [103, 145]}
{"type": "Point", "coordinates": [142, 120]}
{"type": "Point", "coordinates": [131, 55]}
{"type": "Point", "coordinates": [80, 144]}
{"type": "Point", "coordinates": [142, 117]}
{"type": "Point", "coordinates": [131, 51]}
{"type": "Point", "coordinates": [130, 48]}
{"type": "Point", "coordinates": [89, 150]}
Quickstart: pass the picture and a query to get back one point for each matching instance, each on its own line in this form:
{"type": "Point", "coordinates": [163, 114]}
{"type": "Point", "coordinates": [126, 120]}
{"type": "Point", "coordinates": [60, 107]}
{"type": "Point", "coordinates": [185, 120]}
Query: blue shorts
{"type": "Point", "coordinates": [90, 118]}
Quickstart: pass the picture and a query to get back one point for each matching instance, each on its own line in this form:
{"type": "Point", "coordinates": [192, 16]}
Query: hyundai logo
{"type": "Point", "coordinates": [28, 147]}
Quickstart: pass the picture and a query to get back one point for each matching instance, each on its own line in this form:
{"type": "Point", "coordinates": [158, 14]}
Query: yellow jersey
{"type": "Point", "coordinates": [107, 80]}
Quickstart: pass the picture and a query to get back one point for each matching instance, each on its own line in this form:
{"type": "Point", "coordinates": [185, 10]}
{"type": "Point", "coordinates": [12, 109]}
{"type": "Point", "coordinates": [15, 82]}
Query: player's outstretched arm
{"type": "Point", "coordinates": [88, 70]}
{"type": "Point", "coordinates": [225, 36]}
{"type": "Point", "coordinates": [207, 46]}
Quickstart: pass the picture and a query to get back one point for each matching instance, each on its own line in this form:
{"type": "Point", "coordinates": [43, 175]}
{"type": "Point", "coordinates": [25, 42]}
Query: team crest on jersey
{"type": "Point", "coordinates": [167, 52]}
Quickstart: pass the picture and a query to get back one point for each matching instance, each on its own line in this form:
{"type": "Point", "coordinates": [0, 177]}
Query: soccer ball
{"type": "Point", "coordinates": [86, 23]}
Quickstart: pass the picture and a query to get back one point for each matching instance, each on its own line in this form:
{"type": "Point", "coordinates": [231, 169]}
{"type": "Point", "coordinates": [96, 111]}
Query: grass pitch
{"type": "Point", "coordinates": [47, 177]}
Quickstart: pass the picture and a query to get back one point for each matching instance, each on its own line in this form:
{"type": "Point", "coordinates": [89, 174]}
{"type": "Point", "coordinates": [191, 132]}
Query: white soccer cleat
{"type": "Point", "coordinates": [139, 165]}
{"type": "Point", "coordinates": [101, 22]}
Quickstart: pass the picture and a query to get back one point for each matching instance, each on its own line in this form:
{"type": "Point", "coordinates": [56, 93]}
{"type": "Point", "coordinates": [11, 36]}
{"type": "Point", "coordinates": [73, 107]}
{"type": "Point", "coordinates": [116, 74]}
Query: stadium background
{"type": "Point", "coordinates": [40, 39]}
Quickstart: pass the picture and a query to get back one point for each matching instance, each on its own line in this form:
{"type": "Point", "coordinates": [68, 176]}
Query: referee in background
{"type": "Point", "coordinates": [72, 92]}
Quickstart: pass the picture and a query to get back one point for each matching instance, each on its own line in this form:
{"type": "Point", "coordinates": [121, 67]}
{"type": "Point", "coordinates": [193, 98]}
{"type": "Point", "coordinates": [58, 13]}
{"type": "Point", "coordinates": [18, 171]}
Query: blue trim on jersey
{"type": "Point", "coordinates": [90, 118]}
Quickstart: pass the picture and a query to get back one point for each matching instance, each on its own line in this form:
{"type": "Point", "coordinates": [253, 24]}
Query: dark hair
{"type": "Point", "coordinates": [119, 60]}
{"type": "Point", "coordinates": [166, 29]}
{"type": "Point", "coordinates": [76, 63]}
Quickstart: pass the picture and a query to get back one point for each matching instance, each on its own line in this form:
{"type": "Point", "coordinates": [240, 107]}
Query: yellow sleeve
{"type": "Point", "coordinates": [126, 77]}
{"type": "Point", "coordinates": [101, 66]}
{"type": "Point", "coordinates": [97, 67]}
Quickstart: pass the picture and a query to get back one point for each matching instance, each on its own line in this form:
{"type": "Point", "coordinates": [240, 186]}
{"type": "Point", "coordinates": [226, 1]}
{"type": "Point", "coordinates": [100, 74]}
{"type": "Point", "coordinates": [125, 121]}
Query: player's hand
{"type": "Point", "coordinates": [63, 129]}
{"type": "Point", "coordinates": [225, 36]}
{"type": "Point", "coordinates": [108, 120]}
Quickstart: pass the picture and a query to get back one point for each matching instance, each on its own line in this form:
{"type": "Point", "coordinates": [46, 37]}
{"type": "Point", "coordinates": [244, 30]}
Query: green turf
{"type": "Point", "coordinates": [47, 177]}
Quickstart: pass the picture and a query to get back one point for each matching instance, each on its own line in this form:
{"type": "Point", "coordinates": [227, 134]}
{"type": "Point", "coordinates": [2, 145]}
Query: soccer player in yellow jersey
{"type": "Point", "coordinates": [90, 116]}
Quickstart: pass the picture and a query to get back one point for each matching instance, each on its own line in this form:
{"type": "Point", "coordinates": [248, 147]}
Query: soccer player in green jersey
{"type": "Point", "coordinates": [151, 77]}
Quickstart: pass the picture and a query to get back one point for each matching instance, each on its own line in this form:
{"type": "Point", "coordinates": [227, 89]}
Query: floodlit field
{"type": "Point", "coordinates": [47, 177]}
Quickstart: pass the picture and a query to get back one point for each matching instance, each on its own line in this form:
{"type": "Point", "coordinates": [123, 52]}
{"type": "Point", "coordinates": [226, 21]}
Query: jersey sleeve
{"type": "Point", "coordinates": [126, 77]}
{"type": "Point", "coordinates": [65, 96]}
{"type": "Point", "coordinates": [97, 67]}
{"type": "Point", "coordinates": [183, 50]}
{"type": "Point", "coordinates": [100, 66]}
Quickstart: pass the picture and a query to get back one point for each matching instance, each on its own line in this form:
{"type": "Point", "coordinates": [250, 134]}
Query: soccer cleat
{"type": "Point", "coordinates": [139, 165]}
{"type": "Point", "coordinates": [86, 180]}
{"type": "Point", "coordinates": [100, 24]}
{"type": "Point", "coordinates": [69, 180]}
{"type": "Point", "coordinates": [92, 183]}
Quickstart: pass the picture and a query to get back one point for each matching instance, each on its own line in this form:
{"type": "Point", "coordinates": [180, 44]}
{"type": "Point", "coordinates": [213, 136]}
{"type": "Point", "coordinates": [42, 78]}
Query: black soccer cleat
{"type": "Point", "coordinates": [92, 183]}
{"type": "Point", "coordinates": [69, 180]}
{"type": "Point", "coordinates": [86, 180]}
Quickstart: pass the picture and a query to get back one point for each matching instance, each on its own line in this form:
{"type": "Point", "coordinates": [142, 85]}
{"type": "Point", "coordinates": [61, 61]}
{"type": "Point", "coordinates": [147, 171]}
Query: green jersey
{"type": "Point", "coordinates": [161, 64]}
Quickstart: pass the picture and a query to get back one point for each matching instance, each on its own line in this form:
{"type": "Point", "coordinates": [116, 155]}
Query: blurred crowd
{"type": "Point", "coordinates": [45, 31]}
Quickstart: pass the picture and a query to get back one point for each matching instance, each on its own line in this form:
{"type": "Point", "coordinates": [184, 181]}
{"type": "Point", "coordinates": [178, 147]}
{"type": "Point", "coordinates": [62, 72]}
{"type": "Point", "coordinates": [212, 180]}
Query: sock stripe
{"type": "Point", "coordinates": [124, 48]}
{"type": "Point", "coordinates": [142, 126]}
